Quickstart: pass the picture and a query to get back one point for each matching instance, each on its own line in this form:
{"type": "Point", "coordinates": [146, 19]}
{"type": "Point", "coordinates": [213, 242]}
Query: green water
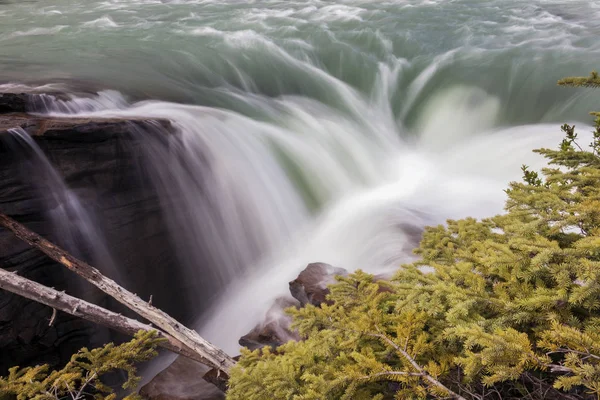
{"type": "Point", "coordinates": [191, 50]}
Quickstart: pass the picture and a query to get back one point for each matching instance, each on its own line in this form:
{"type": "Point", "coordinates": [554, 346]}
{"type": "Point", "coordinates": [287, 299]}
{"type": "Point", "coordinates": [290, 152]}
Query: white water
{"type": "Point", "coordinates": [364, 229]}
{"type": "Point", "coordinates": [313, 130]}
{"type": "Point", "coordinates": [227, 194]}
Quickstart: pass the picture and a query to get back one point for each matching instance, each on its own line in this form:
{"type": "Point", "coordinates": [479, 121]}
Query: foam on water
{"type": "Point", "coordinates": [103, 22]}
{"type": "Point", "coordinates": [35, 32]}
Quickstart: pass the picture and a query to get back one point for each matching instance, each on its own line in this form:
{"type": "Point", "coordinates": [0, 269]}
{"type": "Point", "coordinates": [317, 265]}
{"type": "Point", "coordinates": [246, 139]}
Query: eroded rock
{"type": "Point", "coordinates": [310, 287]}
{"type": "Point", "coordinates": [64, 127]}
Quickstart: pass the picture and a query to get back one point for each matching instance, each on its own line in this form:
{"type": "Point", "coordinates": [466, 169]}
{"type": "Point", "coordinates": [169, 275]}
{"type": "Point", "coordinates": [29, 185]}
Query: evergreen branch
{"type": "Point", "coordinates": [581, 353]}
{"type": "Point", "coordinates": [421, 372]}
{"type": "Point", "coordinates": [89, 379]}
{"type": "Point", "coordinates": [552, 367]}
{"type": "Point", "coordinates": [416, 366]}
{"type": "Point", "coordinates": [592, 81]}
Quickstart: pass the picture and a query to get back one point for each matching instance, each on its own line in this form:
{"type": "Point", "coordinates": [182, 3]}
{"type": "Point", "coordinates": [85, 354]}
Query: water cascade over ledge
{"type": "Point", "coordinates": [303, 131]}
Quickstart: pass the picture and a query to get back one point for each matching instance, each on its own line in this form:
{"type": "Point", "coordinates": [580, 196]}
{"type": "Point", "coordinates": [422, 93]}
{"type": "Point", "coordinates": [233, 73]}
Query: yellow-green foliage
{"type": "Point", "coordinates": [592, 81]}
{"type": "Point", "coordinates": [80, 378]}
{"type": "Point", "coordinates": [511, 309]}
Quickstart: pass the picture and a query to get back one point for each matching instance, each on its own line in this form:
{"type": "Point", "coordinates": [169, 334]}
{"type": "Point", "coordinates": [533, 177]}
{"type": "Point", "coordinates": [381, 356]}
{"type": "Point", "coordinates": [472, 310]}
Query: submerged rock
{"type": "Point", "coordinates": [310, 287]}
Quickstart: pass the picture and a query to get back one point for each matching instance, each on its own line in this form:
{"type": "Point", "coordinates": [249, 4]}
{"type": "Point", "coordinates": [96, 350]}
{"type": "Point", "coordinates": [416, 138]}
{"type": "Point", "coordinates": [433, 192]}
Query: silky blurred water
{"type": "Point", "coordinates": [194, 50]}
{"type": "Point", "coordinates": [333, 129]}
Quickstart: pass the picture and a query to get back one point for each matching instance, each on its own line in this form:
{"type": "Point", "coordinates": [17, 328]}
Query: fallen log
{"type": "Point", "coordinates": [209, 354]}
{"type": "Point", "coordinates": [61, 301]}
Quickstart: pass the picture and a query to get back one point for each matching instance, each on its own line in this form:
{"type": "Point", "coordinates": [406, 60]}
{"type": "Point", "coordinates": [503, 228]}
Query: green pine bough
{"type": "Point", "coordinates": [592, 81]}
{"type": "Point", "coordinates": [81, 377]}
{"type": "Point", "coordinates": [510, 311]}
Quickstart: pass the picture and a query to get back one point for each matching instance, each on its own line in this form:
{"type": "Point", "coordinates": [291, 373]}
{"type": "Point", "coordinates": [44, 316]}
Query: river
{"type": "Point", "coordinates": [334, 129]}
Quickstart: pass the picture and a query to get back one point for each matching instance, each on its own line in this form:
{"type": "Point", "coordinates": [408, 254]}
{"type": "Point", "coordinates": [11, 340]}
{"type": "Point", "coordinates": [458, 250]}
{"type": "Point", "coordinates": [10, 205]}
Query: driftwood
{"type": "Point", "coordinates": [206, 353]}
{"type": "Point", "coordinates": [14, 283]}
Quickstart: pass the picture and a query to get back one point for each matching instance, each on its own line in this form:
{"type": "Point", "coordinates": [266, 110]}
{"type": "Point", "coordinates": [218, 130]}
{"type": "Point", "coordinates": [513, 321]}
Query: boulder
{"type": "Point", "coordinates": [310, 287]}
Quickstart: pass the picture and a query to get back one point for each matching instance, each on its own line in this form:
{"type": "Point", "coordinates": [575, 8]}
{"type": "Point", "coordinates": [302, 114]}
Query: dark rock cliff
{"type": "Point", "coordinates": [100, 161]}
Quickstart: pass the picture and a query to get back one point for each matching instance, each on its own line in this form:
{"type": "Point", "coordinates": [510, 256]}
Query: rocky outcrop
{"type": "Point", "coordinates": [99, 160]}
{"type": "Point", "coordinates": [78, 129]}
{"type": "Point", "coordinates": [14, 102]}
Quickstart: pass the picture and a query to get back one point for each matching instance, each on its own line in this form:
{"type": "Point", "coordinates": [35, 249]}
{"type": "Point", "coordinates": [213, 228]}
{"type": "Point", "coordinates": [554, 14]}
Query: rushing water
{"type": "Point", "coordinates": [314, 130]}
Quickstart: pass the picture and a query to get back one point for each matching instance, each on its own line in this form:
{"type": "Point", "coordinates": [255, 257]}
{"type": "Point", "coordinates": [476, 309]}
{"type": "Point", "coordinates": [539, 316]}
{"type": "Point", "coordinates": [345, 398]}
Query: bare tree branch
{"type": "Point", "coordinates": [210, 355]}
{"type": "Point", "coordinates": [53, 317]}
{"type": "Point", "coordinates": [416, 366]}
{"type": "Point", "coordinates": [14, 283]}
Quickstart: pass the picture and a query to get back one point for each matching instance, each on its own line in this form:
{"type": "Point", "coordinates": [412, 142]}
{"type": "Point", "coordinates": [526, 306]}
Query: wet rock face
{"type": "Point", "coordinates": [310, 287]}
{"type": "Point", "coordinates": [78, 129]}
{"type": "Point", "coordinates": [100, 161]}
{"type": "Point", "coordinates": [13, 102]}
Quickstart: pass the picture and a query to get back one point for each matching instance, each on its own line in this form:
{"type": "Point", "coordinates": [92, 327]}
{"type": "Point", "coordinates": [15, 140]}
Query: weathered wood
{"type": "Point", "coordinates": [27, 288]}
{"type": "Point", "coordinates": [208, 353]}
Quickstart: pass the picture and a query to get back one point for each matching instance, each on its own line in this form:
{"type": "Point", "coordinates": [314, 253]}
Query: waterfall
{"type": "Point", "coordinates": [304, 131]}
{"type": "Point", "coordinates": [261, 199]}
{"type": "Point", "coordinates": [75, 226]}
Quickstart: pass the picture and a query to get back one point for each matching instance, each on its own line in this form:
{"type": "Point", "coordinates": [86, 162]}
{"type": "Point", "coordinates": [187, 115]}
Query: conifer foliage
{"type": "Point", "coordinates": [81, 377]}
{"type": "Point", "coordinates": [593, 81]}
{"type": "Point", "coordinates": [506, 307]}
